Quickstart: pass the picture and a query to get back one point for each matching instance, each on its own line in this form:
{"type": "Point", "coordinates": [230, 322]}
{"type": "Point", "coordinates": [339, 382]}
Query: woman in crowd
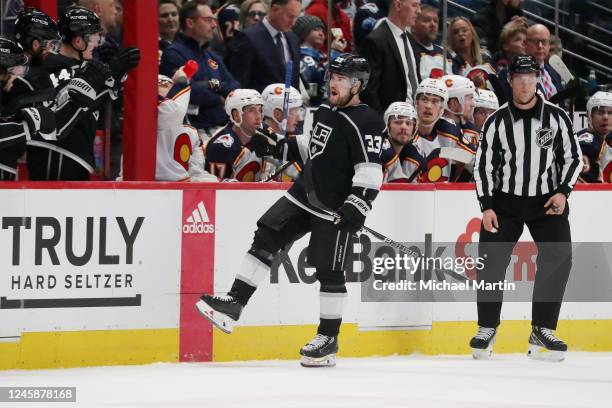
{"type": "Point", "coordinates": [251, 13]}
{"type": "Point", "coordinates": [465, 45]}
{"type": "Point", "coordinates": [512, 41]}
{"type": "Point", "coordinates": [168, 21]}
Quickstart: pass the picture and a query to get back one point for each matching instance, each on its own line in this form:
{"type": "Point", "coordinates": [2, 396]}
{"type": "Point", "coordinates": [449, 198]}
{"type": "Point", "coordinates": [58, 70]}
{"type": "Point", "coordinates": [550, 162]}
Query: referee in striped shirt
{"type": "Point", "coordinates": [526, 165]}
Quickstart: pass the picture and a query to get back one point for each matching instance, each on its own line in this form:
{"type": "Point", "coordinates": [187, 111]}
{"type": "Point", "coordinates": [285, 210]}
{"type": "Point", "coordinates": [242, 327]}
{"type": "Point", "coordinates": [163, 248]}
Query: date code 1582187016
{"type": "Point", "coordinates": [38, 394]}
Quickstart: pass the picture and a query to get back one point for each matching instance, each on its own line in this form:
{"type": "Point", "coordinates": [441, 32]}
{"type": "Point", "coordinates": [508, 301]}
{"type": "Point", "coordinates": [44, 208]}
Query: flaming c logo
{"type": "Point", "coordinates": [449, 83]}
{"type": "Point", "coordinates": [278, 90]}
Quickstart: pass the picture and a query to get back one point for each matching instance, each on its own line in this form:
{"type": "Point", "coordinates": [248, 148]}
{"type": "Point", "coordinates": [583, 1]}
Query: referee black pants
{"type": "Point", "coordinates": [551, 234]}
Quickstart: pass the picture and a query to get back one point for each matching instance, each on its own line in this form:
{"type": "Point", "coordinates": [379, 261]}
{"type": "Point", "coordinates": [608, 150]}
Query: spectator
{"type": "Point", "coordinates": [168, 22]}
{"type": "Point", "coordinates": [251, 13]}
{"type": "Point", "coordinates": [512, 40]}
{"type": "Point", "coordinates": [365, 21]}
{"type": "Point", "coordinates": [431, 56]}
{"type": "Point", "coordinates": [258, 55]}
{"type": "Point", "coordinates": [229, 25]}
{"type": "Point", "coordinates": [212, 82]}
{"type": "Point", "coordinates": [556, 47]}
{"type": "Point", "coordinates": [464, 42]}
{"type": "Point", "coordinates": [309, 29]}
{"type": "Point", "coordinates": [106, 10]}
{"type": "Point", "coordinates": [538, 46]}
{"type": "Point", "coordinates": [340, 20]}
{"type": "Point", "coordinates": [490, 20]}
{"type": "Point", "coordinates": [382, 47]}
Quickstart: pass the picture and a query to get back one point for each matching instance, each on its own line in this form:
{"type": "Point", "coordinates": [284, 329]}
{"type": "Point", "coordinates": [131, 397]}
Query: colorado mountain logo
{"type": "Point", "coordinates": [198, 222]}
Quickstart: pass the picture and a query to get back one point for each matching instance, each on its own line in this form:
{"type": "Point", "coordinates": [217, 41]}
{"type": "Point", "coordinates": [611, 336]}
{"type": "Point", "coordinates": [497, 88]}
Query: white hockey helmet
{"type": "Point", "coordinates": [433, 86]}
{"type": "Point", "coordinates": [400, 109]}
{"type": "Point", "coordinates": [238, 99]}
{"type": "Point", "coordinates": [599, 99]}
{"type": "Point", "coordinates": [484, 98]}
{"type": "Point", "coordinates": [274, 96]}
{"type": "Point", "coordinates": [458, 87]}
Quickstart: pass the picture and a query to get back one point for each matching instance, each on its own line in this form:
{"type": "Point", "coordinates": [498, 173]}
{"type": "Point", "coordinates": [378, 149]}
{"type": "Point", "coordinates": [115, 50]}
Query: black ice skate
{"type": "Point", "coordinates": [320, 352]}
{"type": "Point", "coordinates": [544, 345]}
{"type": "Point", "coordinates": [482, 343]}
{"type": "Point", "coordinates": [222, 311]}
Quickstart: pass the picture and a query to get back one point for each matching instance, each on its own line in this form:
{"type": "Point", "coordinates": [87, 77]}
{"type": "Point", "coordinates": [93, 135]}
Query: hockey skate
{"type": "Point", "coordinates": [544, 345]}
{"type": "Point", "coordinates": [482, 343]}
{"type": "Point", "coordinates": [222, 311]}
{"type": "Point", "coordinates": [319, 352]}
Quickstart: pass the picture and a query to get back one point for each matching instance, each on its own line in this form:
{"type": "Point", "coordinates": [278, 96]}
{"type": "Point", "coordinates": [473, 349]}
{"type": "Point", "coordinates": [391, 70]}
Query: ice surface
{"type": "Point", "coordinates": [582, 380]}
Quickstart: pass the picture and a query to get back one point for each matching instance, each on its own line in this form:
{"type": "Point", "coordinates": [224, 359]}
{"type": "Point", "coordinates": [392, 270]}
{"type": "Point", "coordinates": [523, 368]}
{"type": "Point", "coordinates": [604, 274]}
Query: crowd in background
{"type": "Point", "coordinates": [249, 45]}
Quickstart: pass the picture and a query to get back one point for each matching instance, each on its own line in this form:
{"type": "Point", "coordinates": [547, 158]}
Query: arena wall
{"type": "Point", "coordinates": [108, 273]}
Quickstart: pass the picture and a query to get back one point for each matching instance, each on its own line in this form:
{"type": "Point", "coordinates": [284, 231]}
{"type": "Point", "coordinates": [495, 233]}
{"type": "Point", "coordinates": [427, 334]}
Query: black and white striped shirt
{"type": "Point", "coordinates": [526, 153]}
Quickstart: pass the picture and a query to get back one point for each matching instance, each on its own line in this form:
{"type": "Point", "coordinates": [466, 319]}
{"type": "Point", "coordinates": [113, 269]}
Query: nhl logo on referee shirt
{"type": "Point", "coordinates": [544, 138]}
{"type": "Point", "coordinates": [320, 136]}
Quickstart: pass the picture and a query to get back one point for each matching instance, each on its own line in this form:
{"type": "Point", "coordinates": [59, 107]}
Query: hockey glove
{"type": "Point", "coordinates": [266, 144]}
{"type": "Point", "coordinates": [40, 121]}
{"type": "Point", "coordinates": [124, 61]}
{"type": "Point", "coordinates": [91, 83]}
{"type": "Point", "coordinates": [352, 214]}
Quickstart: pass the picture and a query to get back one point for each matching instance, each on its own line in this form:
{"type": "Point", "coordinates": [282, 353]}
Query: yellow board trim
{"type": "Point", "coordinates": [90, 348]}
{"type": "Point", "coordinates": [284, 342]}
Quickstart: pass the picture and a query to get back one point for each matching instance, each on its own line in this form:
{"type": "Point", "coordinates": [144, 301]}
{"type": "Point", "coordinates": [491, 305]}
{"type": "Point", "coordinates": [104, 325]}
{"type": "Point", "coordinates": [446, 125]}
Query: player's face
{"type": "Point", "coordinates": [523, 87]}
{"type": "Point", "coordinates": [468, 107]}
{"type": "Point", "coordinates": [401, 129]}
{"type": "Point", "coordinates": [602, 120]}
{"type": "Point", "coordinates": [251, 118]}
{"type": "Point", "coordinates": [429, 108]}
{"type": "Point", "coordinates": [339, 90]}
{"type": "Point", "coordinates": [481, 115]}
{"type": "Point", "coordinates": [293, 118]}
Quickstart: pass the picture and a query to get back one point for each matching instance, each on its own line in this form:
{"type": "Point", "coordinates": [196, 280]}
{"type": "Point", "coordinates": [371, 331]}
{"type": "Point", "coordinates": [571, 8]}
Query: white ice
{"type": "Point", "coordinates": [512, 381]}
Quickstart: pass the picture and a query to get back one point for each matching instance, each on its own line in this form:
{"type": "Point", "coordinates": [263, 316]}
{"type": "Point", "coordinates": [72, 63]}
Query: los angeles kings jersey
{"type": "Point", "coordinates": [344, 157]}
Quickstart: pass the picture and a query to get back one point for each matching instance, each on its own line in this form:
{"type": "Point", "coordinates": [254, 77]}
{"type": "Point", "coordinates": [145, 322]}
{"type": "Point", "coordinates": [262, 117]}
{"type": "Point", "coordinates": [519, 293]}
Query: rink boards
{"type": "Point", "coordinates": [107, 274]}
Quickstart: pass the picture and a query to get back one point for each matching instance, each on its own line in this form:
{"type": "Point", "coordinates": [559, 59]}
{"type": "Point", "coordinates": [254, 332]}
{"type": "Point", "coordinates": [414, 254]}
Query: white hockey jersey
{"type": "Point", "coordinates": [179, 152]}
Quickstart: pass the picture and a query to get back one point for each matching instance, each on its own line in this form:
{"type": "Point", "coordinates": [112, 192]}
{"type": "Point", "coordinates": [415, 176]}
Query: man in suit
{"type": "Point", "coordinates": [389, 50]}
{"type": "Point", "coordinates": [538, 46]}
{"type": "Point", "coordinates": [211, 84]}
{"type": "Point", "coordinates": [258, 55]}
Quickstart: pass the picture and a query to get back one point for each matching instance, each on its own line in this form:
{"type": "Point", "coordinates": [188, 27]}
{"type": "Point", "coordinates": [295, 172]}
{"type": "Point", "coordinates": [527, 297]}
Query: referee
{"type": "Point", "coordinates": [526, 165]}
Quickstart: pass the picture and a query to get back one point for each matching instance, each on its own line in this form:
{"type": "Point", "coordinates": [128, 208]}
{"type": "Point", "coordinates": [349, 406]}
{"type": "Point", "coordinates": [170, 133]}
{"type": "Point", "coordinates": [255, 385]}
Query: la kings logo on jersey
{"type": "Point", "coordinates": [544, 138]}
{"type": "Point", "coordinates": [320, 136]}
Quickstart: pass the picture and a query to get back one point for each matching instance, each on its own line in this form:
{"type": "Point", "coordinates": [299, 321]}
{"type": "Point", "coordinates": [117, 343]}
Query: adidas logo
{"type": "Point", "coordinates": [198, 222]}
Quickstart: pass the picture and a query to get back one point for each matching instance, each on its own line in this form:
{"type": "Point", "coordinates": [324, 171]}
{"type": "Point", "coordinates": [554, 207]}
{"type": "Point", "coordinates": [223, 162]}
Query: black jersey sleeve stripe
{"type": "Point", "coordinates": [358, 133]}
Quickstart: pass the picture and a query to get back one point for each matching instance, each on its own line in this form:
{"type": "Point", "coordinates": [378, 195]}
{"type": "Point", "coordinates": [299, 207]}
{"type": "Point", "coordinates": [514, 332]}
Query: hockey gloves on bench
{"type": "Point", "coordinates": [352, 214]}
{"type": "Point", "coordinates": [40, 121]}
{"type": "Point", "coordinates": [92, 81]}
{"type": "Point", "coordinates": [266, 144]}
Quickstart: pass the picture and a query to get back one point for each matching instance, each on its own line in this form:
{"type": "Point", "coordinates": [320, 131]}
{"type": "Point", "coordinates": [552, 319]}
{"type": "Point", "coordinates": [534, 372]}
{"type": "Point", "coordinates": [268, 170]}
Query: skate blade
{"type": "Point", "coordinates": [543, 354]}
{"type": "Point", "coordinates": [326, 361]}
{"type": "Point", "coordinates": [484, 354]}
{"type": "Point", "coordinates": [221, 321]}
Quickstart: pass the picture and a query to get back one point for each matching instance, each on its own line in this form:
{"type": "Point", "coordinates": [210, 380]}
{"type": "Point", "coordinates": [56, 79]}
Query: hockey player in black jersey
{"type": "Point", "coordinates": [82, 81]}
{"type": "Point", "coordinates": [342, 175]}
{"type": "Point", "coordinates": [18, 125]}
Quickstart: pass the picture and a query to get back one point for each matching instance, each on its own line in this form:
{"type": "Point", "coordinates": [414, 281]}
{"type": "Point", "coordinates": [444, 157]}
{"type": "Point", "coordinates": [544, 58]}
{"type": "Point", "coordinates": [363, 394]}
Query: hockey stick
{"type": "Point", "coordinates": [283, 124]}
